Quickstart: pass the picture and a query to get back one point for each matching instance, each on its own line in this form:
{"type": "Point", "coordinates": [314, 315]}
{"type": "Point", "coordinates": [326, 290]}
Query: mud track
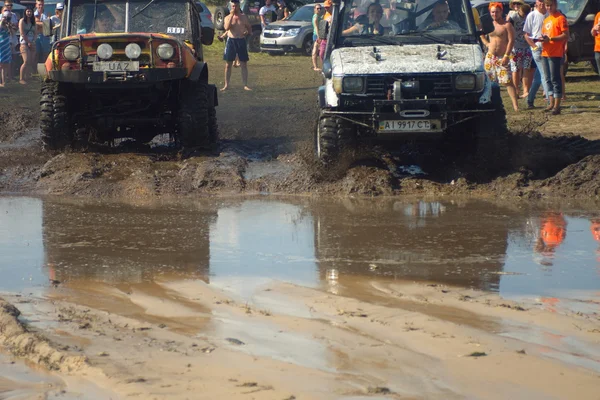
{"type": "Point", "coordinates": [266, 147]}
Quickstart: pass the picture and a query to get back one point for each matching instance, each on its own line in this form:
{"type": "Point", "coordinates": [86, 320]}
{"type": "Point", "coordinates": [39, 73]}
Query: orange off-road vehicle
{"type": "Point", "coordinates": [127, 69]}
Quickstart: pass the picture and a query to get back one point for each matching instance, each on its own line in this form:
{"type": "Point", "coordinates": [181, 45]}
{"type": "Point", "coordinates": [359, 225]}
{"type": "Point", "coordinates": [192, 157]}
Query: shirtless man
{"type": "Point", "coordinates": [500, 45]}
{"type": "Point", "coordinates": [237, 27]}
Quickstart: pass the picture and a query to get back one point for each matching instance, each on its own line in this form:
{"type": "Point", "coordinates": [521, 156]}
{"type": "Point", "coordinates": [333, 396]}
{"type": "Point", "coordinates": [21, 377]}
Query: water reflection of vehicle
{"type": "Point", "coordinates": [119, 243]}
{"type": "Point", "coordinates": [428, 241]}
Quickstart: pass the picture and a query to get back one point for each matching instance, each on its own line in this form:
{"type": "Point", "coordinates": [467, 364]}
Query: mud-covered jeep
{"type": "Point", "coordinates": [127, 69]}
{"type": "Point", "coordinates": [417, 71]}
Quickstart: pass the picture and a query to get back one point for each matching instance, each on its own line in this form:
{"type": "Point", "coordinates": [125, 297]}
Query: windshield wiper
{"type": "Point", "coordinates": [356, 40]}
{"type": "Point", "coordinates": [95, 12]}
{"type": "Point", "coordinates": [143, 8]}
{"type": "Point", "coordinates": [429, 36]}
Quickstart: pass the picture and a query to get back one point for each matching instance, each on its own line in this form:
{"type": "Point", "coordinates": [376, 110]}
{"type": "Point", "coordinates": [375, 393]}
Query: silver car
{"type": "Point", "coordinates": [294, 34]}
{"type": "Point", "coordinates": [206, 19]}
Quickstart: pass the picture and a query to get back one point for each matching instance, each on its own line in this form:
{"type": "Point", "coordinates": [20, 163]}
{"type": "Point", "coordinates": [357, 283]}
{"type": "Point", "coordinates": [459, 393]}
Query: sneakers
{"type": "Point", "coordinates": [530, 106]}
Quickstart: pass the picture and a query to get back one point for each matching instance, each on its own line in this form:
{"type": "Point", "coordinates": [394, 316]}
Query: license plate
{"type": "Point", "coordinates": [269, 41]}
{"type": "Point", "coordinates": [116, 66]}
{"type": "Point", "coordinates": [406, 125]}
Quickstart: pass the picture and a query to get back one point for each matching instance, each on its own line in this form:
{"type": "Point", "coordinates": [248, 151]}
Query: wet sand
{"type": "Point", "coordinates": [377, 338]}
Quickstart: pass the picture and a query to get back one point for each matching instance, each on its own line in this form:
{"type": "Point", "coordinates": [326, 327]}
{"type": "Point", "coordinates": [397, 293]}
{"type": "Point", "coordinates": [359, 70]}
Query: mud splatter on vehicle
{"type": "Point", "coordinates": [131, 69]}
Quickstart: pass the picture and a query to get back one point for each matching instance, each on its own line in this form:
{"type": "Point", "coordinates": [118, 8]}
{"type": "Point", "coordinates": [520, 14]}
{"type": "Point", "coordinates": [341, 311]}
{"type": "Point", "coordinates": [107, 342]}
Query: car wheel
{"type": "Point", "coordinates": [219, 17]}
{"type": "Point", "coordinates": [254, 42]}
{"type": "Point", "coordinates": [307, 46]}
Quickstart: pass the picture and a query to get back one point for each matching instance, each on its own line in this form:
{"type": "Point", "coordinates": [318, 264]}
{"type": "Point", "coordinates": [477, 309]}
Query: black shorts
{"type": "Point", "coordinates": [236, 47]}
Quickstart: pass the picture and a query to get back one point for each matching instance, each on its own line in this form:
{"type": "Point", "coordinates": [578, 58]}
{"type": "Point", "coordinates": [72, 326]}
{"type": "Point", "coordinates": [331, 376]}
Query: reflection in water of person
{"type": "Point", "coordinates": [553, 231]}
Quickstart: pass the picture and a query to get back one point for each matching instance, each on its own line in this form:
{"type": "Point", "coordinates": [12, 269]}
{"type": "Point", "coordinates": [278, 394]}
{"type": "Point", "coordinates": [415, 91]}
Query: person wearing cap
{"type": "Point", "coordinates": [56, 21]}
{"type": "Point", "coordinates": [324, 28]}
{"type": "Point", "coordinates": [237, 27]}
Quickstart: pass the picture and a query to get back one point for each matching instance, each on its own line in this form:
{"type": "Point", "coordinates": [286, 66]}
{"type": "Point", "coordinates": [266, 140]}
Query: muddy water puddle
{"type": "Point", "coordinates": [551, 255]}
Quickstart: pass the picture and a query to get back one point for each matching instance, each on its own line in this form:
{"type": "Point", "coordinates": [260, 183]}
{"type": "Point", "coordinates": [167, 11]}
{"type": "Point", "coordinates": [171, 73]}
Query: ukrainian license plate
{"type": "Point", "coordinates": [116, 66]}
{"type": "Point", "coordinates": [269, 41]}
{"type": "Point", "coordinates": [406, 125]}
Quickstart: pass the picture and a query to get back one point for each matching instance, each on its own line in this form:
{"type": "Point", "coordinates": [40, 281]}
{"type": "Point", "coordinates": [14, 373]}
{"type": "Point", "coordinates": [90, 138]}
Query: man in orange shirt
{"type": "Point", "coordinates": [555, 33]}
{"type": "Point", "coordinates": [596, 35]}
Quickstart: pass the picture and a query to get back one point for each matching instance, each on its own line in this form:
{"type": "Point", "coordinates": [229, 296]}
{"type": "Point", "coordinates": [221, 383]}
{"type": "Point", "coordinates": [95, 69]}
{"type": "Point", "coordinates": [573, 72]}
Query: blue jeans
{"type": "Point", "coordinates": [597, 56]}
{"type": "Point", "coordinates": [539, 78]}
{"type": "Point", "coordinates": [553, 77]}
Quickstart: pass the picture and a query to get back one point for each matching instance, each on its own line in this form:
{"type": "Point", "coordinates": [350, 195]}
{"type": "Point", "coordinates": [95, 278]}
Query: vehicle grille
{"type": "Point", "coordinates": [430, 85]}
{"type": "Point", "coordinates": [272, 35]}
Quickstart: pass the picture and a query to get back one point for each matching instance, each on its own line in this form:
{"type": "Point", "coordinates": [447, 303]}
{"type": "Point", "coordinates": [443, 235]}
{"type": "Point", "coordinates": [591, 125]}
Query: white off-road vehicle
{"type": "Point", "coordinates": [419, 71]}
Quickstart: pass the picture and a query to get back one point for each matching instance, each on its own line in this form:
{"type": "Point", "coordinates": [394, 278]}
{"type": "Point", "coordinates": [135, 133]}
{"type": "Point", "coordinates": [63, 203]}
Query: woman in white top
{"type": "Point", "coordinates": [28, 30]}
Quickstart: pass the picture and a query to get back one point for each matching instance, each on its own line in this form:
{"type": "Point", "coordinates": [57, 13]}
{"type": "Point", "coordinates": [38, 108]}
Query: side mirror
{"type": "Point", "coordinates": [47, 27]}
{"type": "Point", "coordinates": [590, 18]}
{"type": "Point", "coordinates": [207, 36]}
{"type": "Point", "coordinates": [327, 69]}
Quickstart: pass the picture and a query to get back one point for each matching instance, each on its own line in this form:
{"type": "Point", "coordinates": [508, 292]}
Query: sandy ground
{"type": "Point", "coordinates": [352, 339]}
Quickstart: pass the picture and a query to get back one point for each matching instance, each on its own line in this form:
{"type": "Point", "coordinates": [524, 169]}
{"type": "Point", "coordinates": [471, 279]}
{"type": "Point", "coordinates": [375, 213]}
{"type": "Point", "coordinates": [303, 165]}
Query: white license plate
{"type": "Point", "coordinates": [405, 125]}
{"type": "Point", "coordinates": [269, 41]}
{"type": "Point", "coordinates": [116, 66]}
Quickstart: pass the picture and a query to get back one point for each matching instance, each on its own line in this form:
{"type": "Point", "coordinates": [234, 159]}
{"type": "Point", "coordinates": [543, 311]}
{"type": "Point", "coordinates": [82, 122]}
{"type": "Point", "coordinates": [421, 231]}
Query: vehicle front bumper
{"type": "Point", "coordinates": [150, 75]}
{"type": "Point", "coordinates": [283, 44]}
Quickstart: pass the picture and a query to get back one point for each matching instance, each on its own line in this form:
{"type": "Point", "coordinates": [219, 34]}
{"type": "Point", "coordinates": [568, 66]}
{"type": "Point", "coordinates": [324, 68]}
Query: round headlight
{"type": "Point", "coordinates": [71, 52]}
{"type": "Point", "coordinates": [133, 50]}
{"type": "Point", "coordinates": [104, 51]}
{"type": "Point", "coordinates": [165, 51]}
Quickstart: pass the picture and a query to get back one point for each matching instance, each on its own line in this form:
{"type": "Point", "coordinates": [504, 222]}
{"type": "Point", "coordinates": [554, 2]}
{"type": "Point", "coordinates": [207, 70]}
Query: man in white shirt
{"type": "Point", "coordinates": [533, 32]}
{"type": "Point", "coordinates": [14, 40]}
{"type": "Point", "coordinates": [267, 14]}
{"type": "Point", "coordinates": [56, 21]}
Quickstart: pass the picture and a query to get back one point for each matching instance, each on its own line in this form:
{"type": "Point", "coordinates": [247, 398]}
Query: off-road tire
{"type": "Point", "coordinates": [54, 117]}
{"type": "Point", "coordinates": [307, 46]}
{"type": "Point", "coordinates": [193, 115]}
{"type": "Point", "coordinates": [492, 147]}
{"type": "Point", "coordinates": [213, 126]}
{"type": "Point", "coordinates": [254, 42]}
{"type": "Point", "coordinates": [219, 17]}
{"type": "Point", "coordinates": [333, 136]}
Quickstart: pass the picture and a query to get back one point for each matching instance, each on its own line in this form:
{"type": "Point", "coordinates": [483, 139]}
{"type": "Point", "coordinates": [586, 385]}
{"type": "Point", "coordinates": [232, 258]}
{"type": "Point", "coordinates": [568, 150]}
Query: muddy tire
{"type": "Point", "coordinates": [333, 136]}
{"type": "Point", "coordinates": [219, 17]}
{"type": "Point", "coordinates": [193, 115]}
{"type": "Point", "coordinates": [213, 126]}
{"type": "Point", "coordinates": [54, 117]}
{"type": "Point", "coordinates": [307, 46]}
{"type": "Point", "coordinates": [492, 148]}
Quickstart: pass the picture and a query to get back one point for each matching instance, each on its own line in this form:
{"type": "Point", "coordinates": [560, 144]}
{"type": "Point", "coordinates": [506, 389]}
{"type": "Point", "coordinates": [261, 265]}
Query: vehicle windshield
{"type": "Point", "coordinates": [572, 8]}
{"type": "Point", "coordinates": [302, 14]}
{"type": "Point", "coordinates": [109, 16]}
{"type": "Point", "coordinates": [389, 21]}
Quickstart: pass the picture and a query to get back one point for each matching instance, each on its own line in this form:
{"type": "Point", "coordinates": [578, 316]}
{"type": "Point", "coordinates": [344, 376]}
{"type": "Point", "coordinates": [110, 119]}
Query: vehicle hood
{"type": "Point", "coordinates": [395, 59]}
{"type": "Point", "coordinates": [285, 25]}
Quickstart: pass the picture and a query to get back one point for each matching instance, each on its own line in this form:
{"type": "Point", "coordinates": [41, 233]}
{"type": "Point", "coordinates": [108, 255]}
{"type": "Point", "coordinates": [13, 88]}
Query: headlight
{"type": "Point", "coordinates": [71, 52]}
{"type": "Point", "coordinates": [336, 81]}
{"type": "Point", "coordinates": [292, 32]}
{"type": "Point", "coordinates": [465, 82]}
{"type": "Point", "coordinates": [104, 51]}
{"type": "Point", "coordinates": [480, 81]}
{"type": "Point", "coordinates": [353, 84]}
{"type": "Point", "coordinates": [165, 51]}
{"type": "Point", "coordinates": [133, 50]}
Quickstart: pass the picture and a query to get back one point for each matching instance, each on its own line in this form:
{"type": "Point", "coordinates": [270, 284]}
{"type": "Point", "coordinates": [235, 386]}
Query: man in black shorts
{"type": "Point", "coordinates": [237, 27]}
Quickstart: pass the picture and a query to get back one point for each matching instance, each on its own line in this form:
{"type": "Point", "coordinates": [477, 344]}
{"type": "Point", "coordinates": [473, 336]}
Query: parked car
{"type": "Point", "coordinates": [206, 22]}
{"type": "Point", "coordinates": [294, 34]}
{"type": "Point", "coordinates": [251, 9]}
